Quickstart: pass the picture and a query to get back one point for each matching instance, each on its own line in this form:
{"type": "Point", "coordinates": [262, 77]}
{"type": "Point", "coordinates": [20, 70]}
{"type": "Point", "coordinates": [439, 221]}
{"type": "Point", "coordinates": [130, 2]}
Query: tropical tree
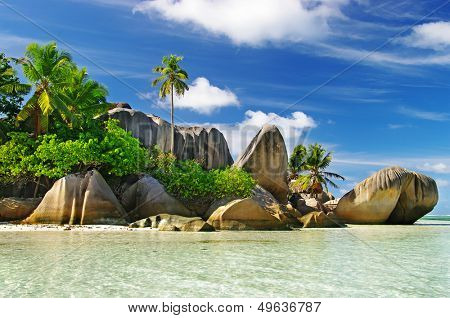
{"type": "Point", "coordinates": [11, 89]}
{"type": "Point", "coordinates": [48, 71]}
{"type": "Point", "coordinates": [84, 97]}
{"type": "Point", "coordinates": [312, 162]}
{"type": "Point", "coordinates": [297, 161]}
{"type": "Point", "coordinates": [172, 79]}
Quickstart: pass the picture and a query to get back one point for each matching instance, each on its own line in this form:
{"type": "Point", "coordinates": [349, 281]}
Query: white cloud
{"type": "Point", "coordinates": [14, 45]}
{"type": "Point", "coordinates": [238, 135]}
{"type": "Point", "coordinates": [398, 126]}
{"type": "Point", "coordinates": [442, 183]}
{"type": "Point", "coordinates": [120, 3]}
{"type": "Point", "coordinates": [421, 114]}
{"type": "Point", "coordinates": [381, 58]}
{"type": "Point", "coordinates": [439, 167]}
{"type": "Point", "coordinates": [252, 22]}
{"type": "Point", "coordinates": [434, 35]}
{"type": "Point", "coordinates": [205, 98]}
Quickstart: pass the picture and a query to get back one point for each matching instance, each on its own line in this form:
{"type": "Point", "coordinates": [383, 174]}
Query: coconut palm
{"type": "Point", "coordinates": [8, 84]}
{"type": "Point", "coordinates": [315, 160]}
{"type": "Point", "coordinates": [48, 71]}
{"type": "Point", "coordinates": [11, 90]}
{"type": "Point", "coordinates": [84, 97]}
{"type": "Point", "coordinates": [172, 79]}
{"type": "Point", "coordinates": [297, 161]}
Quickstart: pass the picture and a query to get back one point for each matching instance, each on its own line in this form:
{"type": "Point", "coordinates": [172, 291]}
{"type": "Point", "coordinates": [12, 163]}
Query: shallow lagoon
{"type": "Point", "coordinates": [359, 261]}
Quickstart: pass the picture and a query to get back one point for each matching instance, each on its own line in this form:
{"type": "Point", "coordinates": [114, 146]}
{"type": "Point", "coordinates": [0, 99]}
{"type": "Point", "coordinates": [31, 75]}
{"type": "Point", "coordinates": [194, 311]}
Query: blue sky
{"type": "Point", "coordinates": [368, 79]}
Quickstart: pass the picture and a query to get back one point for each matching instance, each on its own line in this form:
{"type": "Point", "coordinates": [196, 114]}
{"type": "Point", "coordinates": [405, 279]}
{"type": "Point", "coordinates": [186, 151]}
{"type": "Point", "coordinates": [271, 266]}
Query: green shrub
{"type": "Point", "coordinates": [112, 150]}
{"type": "Point", "coordinates": [189, 181]}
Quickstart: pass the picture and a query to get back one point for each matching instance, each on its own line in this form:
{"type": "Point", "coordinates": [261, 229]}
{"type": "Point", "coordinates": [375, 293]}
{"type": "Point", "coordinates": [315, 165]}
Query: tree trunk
{"type": "Point", "coordinates": [37, 124]}
{"type": "Point", "coordinates": [172, 128]}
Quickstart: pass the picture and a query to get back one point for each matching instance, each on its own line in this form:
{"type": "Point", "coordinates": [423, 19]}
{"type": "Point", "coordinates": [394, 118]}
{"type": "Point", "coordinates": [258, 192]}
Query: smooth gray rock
{"type": "Point", "coordinates": [166, 222]}
{"type": "Point", "coordinates": [79, 199]}
{"type": "Point", "coordinates": [392, 195]}
{"type": "Point", "coordinates": [207, 145]}
{"type": "Point", "coordinates": [147, 197]}
{"type": "Point", "coordinates": [266, 159]}
{"type": "Point", "coordinates": [13, 209]}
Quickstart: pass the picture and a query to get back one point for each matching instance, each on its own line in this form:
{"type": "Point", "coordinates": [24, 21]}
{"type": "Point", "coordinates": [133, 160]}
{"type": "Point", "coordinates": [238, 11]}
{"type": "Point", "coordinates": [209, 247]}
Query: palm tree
{"type": "Point", "coordinates": [84, 97]}
{"type": "Point", "coordinates": [8, 85]}
{"type": "Point", "coordinates": [314, 162]}
{"type": "Point", "coordinates": [48, 70]}
{"type": "Point", "coordinates": [171, 78]}
{"type": "Point", "coordinates": [11, 94]}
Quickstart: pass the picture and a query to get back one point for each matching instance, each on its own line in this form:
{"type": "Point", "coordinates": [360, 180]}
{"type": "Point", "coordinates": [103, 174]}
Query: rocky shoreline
{"type": "Point", "coordinates": [391, 196]}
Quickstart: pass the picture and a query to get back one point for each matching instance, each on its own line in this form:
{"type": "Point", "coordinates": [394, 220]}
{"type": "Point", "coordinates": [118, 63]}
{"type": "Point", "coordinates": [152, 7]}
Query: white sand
{"type": "Point", "coordinates": [7, 227]}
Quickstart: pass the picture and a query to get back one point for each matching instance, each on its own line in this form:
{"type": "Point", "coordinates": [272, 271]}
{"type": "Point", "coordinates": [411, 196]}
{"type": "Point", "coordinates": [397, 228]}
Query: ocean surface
{"type": "Point", "coordinates": [359, 261]}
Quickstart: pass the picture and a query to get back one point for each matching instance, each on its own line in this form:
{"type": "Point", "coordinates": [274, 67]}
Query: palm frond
{"type": "Point", "coordinates": [28, 109]}
{"type": "Point", "coordinates": [333, 175]}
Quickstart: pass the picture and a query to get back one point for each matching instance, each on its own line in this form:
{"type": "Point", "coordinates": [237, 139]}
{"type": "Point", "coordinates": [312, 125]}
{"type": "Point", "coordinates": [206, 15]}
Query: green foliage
{"type": "Point", "coordinates": [297, 159]}
{"type": "Point", "coordinates": [112, 150]}
{"type": "Point", "coordinates": [188, 180]}
{"type": "Point", "coordinates": [48, 70]}
{"type": "Point", "coordinates": [171, 76]}
{"type": "Point", "coordinates": [308, 166]}
{"type": "Point", "coordinates": [11, 90]}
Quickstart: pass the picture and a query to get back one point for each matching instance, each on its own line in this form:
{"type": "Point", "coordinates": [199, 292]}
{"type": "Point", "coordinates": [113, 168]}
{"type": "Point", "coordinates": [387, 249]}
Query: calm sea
{"type": "Point", "coordinates": [359, 261]}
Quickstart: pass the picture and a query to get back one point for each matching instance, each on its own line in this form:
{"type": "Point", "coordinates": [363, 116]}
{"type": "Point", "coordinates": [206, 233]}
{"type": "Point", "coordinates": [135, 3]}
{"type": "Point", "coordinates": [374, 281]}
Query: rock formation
{"type": "Point", "coordinates": [320, 220]}
{"type": "Point", "coordinates": [260, 212]}
{"type": "Point", "coordinates": [392, 195]}
{"type": "Point", "coordinates": [167, 222]}
{"type": "Point", "coordinates": [207, 145]}
{"type": "Point", "coordinates": [147, 197]}
{"type": "Point", "coordinates": [79, 200]}
{"type": "Point", "coordinates": [266, 159]}
{"type": "Point", "coordinates": [14, 209]}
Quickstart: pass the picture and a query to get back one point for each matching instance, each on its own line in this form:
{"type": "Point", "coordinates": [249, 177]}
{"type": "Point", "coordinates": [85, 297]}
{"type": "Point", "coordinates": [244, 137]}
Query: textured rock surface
{"type": "Point", "coordinates": [147, 197]}
{"type": "Point", "coordinates": [147, 222]}
{"type": "Point", "coordinates": [319, 220]}
{"type": "Point", "coordinates": [331, 205]}
{"type": "Point", "coordinates": [79, 200]}
{"type": "Point", "coordinates": [392, 195]}
{"type": "Point", "coordinates": [13, 209]}
{"type": "Point", "coordinates": [208, 145]}
{"type": "Point", "coordinates": [166, 222]}
{"type": "Point", "coordinates": [260, 212]}
{"type": "Point", "coordinates": [267, 160]}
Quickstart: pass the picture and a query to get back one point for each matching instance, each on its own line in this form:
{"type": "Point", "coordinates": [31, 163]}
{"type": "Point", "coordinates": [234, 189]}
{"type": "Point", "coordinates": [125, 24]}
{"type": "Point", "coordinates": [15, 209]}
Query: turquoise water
{"type": "Point", "coordinates": [360, 261]}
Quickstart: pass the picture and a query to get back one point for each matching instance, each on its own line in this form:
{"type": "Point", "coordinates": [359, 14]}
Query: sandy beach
{"type": "Point", "coordinates": [8, 227]}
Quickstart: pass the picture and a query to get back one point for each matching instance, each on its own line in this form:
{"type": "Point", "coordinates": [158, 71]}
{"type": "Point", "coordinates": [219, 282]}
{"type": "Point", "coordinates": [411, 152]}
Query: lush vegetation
{"type": "Point", "coordinates": [187, 179]}
{"type": "Point", "coordinates": [172, 80]}
{"type": "Point", "coordinates": [11, 96]}
{"type": "Point", "coordinates": [111, 150]}
{"type": "Point", "coordinates": [307, 165]}
{"type": "Point", "coordinates": [55, 133]}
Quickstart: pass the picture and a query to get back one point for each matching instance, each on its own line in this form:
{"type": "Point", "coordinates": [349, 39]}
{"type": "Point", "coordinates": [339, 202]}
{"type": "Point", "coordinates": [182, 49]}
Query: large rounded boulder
{"type": "Point", "coordinates": [14, 209]}
{"type": "Point", "coordinates": [147, 197]}
{"type": "Point", "coordinates": [393, 195]}
{"type": "Point", "coordinates": [266, 159]}
{"type": "Point", "coordinates": [259, 212]}
{"type": "Point", "coordinates": [79, 199]}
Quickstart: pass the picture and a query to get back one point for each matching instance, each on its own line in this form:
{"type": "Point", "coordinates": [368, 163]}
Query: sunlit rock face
{"type": "Point", "coordinates": [13, 209]}
{"type": "Point", "coordinates": [259, 212]}
{"type": "Point", "coordinates": [393, 195]}
{"type": "Point", "coordinates": [147, 197]}
{"type": "Point", "coordinates": [207, 145]}
{"type": "Point", "coordinates": [266, 159]}
{"type": "Point", "coordinates": [79, 199]}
